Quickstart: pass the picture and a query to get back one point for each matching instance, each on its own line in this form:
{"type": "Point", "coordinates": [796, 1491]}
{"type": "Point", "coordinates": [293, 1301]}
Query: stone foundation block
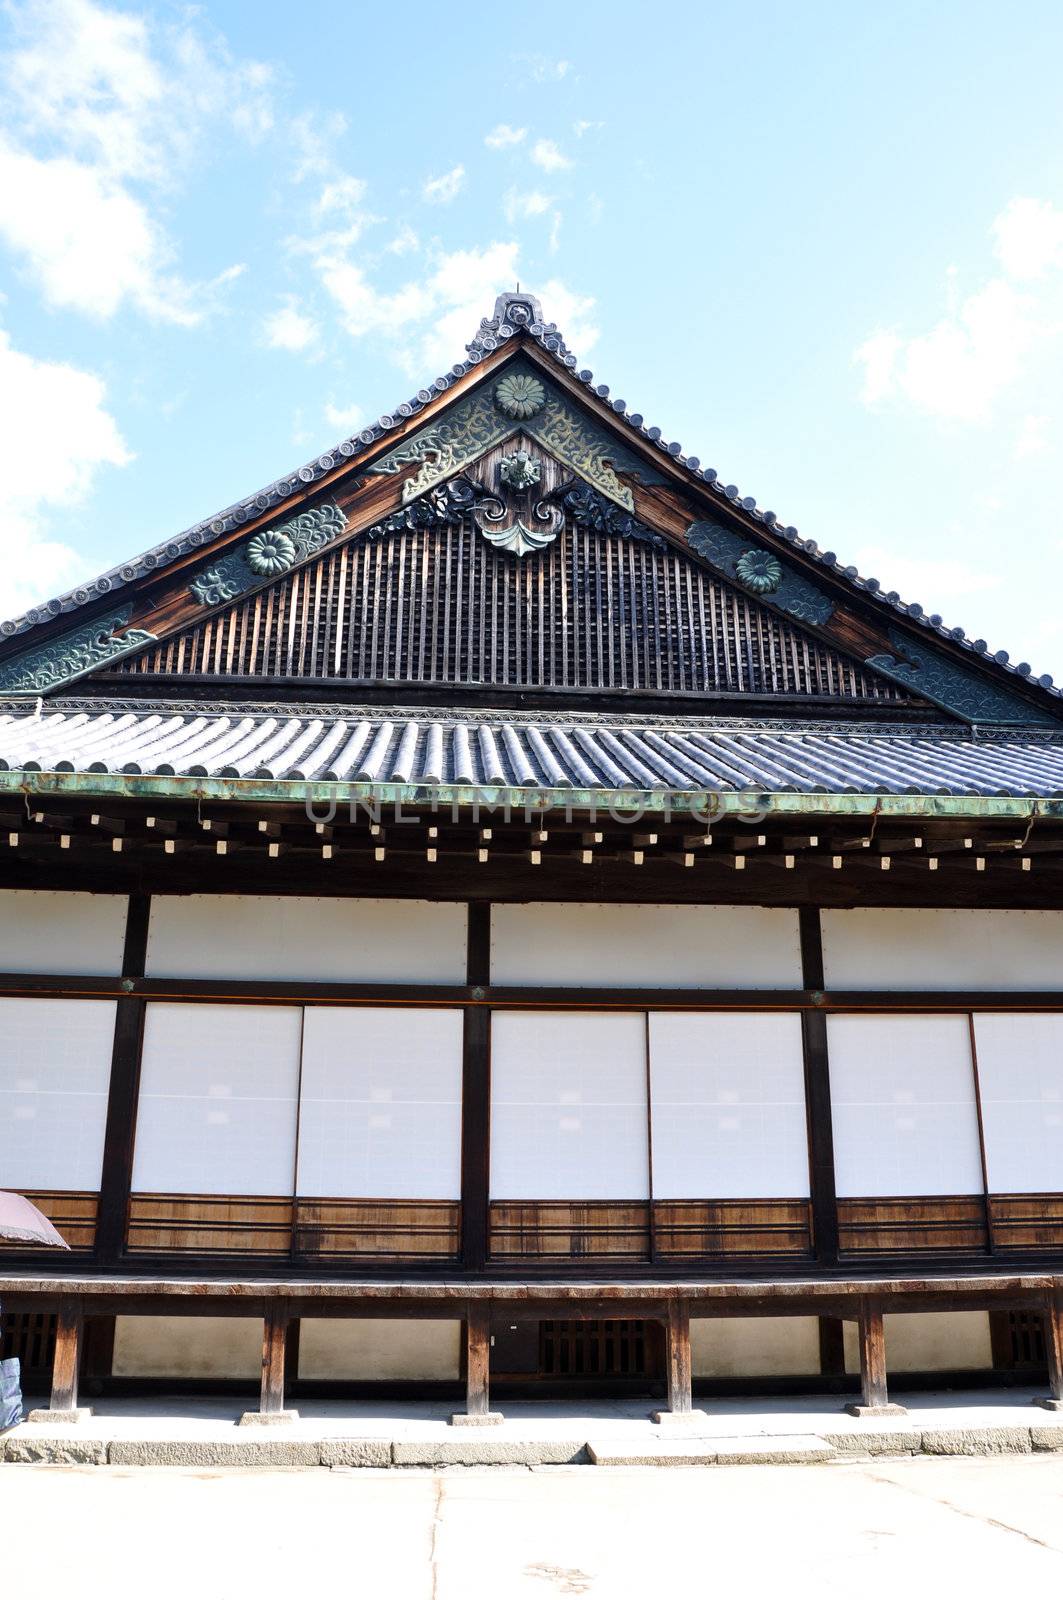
{"type": "Point", "coordinates": [58, 1452]}
{"type": "Point", "coordinates": [481, 1452]}
{"type": "Point", "coordinates": [356, 1452]}
{"type": "Point", "coordinates": [215, 1453]}
{"type": "Point", "coordinates": [267, 1419]}
{"type": "Point", "coordinates": [977, 1442]}
{"type": "Point", "coordinates": [868, 1441]}
{"type": "Point", "coordinates": [64, 1418]}
{"type": "Point", "coordinates": [483, 1419]}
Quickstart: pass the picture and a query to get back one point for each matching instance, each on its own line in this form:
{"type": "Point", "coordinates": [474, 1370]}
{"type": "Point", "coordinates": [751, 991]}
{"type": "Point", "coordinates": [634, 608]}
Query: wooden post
{"type": "Point", "coordinates": [679, 1371]}
{"type": "Point", "coordinates": [476, 1097]}
{"type": "Point", "coordinates": [1053, 1326]}
{"type": "Point", "coordinates": [477, 1370]}
{"type": "Point", "coordinates": [817, 1095]}
{"type": "Point", "coordinates": [116, 1182]}
{"type": "Point", "coordinates": [69, 1325]}
{"type": "Point", "coordinates": [875, 1398]}
{"type": "Point", "coordinates": [274, 1340]}
{"type": "Point", "coordinates": [678, 1367]}
{"type": "Point", "coordinates": [274, 1344]}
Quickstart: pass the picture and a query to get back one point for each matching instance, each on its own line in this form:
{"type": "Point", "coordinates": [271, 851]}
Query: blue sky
{"type": "Point", "coordinates": [821, 245]}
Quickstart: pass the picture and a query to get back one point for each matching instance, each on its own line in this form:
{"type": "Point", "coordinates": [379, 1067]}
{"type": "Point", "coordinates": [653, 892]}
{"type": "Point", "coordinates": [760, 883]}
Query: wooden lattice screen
{"type": "Point", "coordinates": [441, 606]}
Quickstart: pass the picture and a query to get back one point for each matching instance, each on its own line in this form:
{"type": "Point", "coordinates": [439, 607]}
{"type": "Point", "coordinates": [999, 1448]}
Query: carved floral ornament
{"type": "Point", "coordinates": [759, 571]}
{"type": "Point", "coordinates": [267, 554]}
{"type": "Point", "coordinates": [270, 553]}
{"type": "Point", "coordinates": [520, 395]}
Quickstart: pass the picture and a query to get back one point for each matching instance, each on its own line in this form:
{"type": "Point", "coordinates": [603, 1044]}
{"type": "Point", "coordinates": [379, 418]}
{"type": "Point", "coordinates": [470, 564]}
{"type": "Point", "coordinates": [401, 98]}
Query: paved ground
{"type": "Point", "coordinates": [909, 1527]}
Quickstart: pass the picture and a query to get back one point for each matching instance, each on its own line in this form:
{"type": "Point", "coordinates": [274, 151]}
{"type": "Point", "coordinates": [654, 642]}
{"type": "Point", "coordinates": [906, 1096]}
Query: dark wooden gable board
{"type": "Point", "coordinates": [649, 487]}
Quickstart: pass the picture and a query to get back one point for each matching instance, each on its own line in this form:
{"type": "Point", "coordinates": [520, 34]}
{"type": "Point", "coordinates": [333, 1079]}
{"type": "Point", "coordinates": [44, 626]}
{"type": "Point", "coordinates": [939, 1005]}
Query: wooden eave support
{"type": "Point", "coordinates": [274, 1350]}
{"type": "Point", "coordinates": [874, 1401]}
{"type": "Point", "coordinates": [66, 1366]}
{"type": "Point", "coordinates": [477, 1411]}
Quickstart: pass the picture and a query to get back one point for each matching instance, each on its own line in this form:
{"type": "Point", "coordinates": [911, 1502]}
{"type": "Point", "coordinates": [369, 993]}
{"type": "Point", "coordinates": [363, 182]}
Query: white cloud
{"type": "Point", "coordinates": [582, 127]}
{"type": "Point", "coordinates": [546, 154]}
{"type": "Point", "coordinates": [404, 242]}
{"type": "Point", "coordinates": [519, 203]}
{"type": "Point", "coordinates": [972, 360]}
{"type": "Point", "coordinates": [343, 194]}
{"type": "Point", "coordinates": [932, 583]}
{"type": "Point", "coordinates": [288, 328]}
{"type": "Point", "coordinates": [55, 435]}
{"type": "Point", "coordinates": [956, 371]}
{"type": "Point", "coordinates": [441, 191]}
{"type": "Point", "coordinates": [503, 136]}
{"type": "Point", "coordinates": [344, 419]}
{"type": "Point", "coordinates": [1029, 238]}
{"type": "Point", "coordinates": [99, 109]}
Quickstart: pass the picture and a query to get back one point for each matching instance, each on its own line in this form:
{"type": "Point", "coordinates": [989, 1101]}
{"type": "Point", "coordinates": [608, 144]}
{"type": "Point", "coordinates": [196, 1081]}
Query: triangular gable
{"type": "Point", "coordinates": [407, 454]}
{"type": "Point", "coordinates": [545, 586]}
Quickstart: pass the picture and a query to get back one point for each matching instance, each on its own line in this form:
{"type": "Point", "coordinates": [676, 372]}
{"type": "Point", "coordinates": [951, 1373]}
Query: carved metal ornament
{"type": "Point", "coordinates": [519, 471]}
{"type": "Point", "coordinates": [588, 509]}
{"type": "Point", "coordinates": [520, 396]}
{"type": "Point", "coordinates": [724, 549]}
{"type": "Point", "coordinates": [759, 571]}
{"type": "Point", "coordinates": [71, 655]}
{"type": "Point", "coordinates": [477, 423]}
{"type": "Point", "coordinates": [935, 678]}
{"type": "Point", "coordinates": [515, 512]}
{"type": "Point", "coordinates": [268, 554]}
{"type": "Point", "coordinates": [212, 587]}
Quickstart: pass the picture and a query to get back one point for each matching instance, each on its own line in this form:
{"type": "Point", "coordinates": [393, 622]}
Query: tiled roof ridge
{"type": "Point", "coordinates": [452, 715]}
{"type": "Point", "coordinates": [515, 313]}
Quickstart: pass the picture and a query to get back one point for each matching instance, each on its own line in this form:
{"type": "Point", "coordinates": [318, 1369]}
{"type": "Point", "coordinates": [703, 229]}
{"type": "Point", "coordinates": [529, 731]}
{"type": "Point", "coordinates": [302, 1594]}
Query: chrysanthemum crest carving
{"type": "Point", "coordinates": [759, 571]}
{"type": "Point", "coordinates": [269, 553]}
{"type": "Point", "coordinates": [520, 395]}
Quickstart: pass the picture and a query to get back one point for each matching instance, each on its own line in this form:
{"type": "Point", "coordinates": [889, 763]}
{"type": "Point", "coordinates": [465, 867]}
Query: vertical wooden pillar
{"type": "Point", "coordinates": [874, 1396]}
{"type": "Point", "coordinates": [66, 1364]}
{"type": "Point", "coordinates": [477, 1369]}
{"type": "Point", "coordinates": [817, 1095]}
{"type": "Point", "coordinates": [274, 1346]}
{"type": "Point", "coordinates": [117, 1179]}
{"type": "Point", "coordinates": [679, 1367]}
{"type": "Point", "coordinates": [1053, 1326]}
{"type": "Point", "coordinates": [274, 1342]}
{"type": "Point", "coordinates": [476, 1096]}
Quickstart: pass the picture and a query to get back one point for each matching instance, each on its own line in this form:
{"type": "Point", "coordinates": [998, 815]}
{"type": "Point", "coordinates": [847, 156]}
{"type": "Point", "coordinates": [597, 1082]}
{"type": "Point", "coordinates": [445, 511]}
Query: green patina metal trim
{"type": "Point", "coordinates": [698, 802]}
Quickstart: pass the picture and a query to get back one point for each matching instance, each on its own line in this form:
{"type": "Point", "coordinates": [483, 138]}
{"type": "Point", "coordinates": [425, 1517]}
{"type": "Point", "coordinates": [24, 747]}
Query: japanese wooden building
{"type": "Point", "coordinates": [499, 903]}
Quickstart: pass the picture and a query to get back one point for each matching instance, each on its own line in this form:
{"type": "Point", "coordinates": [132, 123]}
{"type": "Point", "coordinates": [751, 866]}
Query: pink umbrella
{"type": "Point", "coordinates": [22, 1223]}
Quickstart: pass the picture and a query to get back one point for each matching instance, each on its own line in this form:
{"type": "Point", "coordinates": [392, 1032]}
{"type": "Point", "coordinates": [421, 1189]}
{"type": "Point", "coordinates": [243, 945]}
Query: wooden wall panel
{"type": "Point", "coordinates": [1027, 1221]}
{"type": "Point", "coordinates": [203, 1224]}
{"type": "Point", "coordinates": [555, 1230]}
{"type": "Point", "coordinates": [909, 1224]}
{"type": "Point", "coordinates": [73, 1211]}
{"type": "Point", "coordinates": [699, 1228]}
{"type": "Point", "coordinates": [391, 1230]}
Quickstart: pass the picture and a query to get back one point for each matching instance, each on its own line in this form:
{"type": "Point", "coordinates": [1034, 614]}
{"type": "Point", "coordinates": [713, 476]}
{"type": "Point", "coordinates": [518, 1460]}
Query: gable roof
{"type": "Point", "coordinates": [518, 317]}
